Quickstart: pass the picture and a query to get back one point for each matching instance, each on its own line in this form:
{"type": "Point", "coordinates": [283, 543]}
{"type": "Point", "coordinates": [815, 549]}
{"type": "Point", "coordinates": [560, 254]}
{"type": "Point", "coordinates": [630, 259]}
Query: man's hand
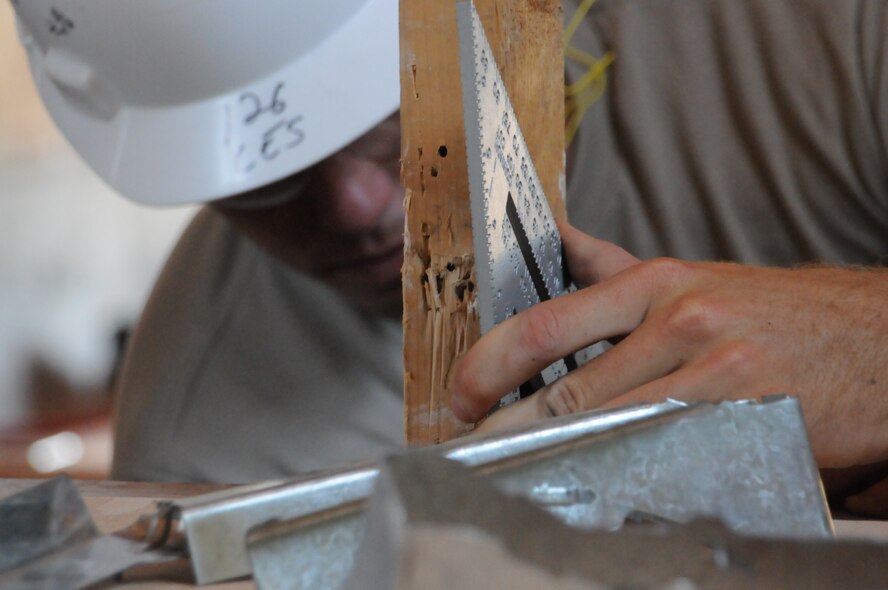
{"type": "Point", "coordinates": [699, 331]}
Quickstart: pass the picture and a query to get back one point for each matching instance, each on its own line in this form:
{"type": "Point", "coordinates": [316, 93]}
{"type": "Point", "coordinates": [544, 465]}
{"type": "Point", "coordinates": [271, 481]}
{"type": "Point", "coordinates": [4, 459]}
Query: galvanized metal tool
{"type": "Point", "coordinates": [746, 464]}
{"type": "Point", "coordinates": [47, 532]}
{"type": "Point", "coordinates": [215, 527]}
{"type": "Point", "coordinates": [593, 469]}
{"type": "Point", "coordinates": [433, 524]}
{"type": "Point", "coordinates": [518, 257]}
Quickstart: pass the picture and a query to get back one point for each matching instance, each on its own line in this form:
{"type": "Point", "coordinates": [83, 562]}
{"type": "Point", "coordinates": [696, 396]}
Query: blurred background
{"type": "Point", "coordinates": [76, 264]}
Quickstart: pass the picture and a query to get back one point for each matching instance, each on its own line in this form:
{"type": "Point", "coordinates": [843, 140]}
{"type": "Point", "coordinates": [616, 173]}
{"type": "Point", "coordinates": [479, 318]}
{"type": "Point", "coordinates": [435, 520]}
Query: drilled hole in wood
{"type": "Point", "coordinates": [450, 267]}
{"type": "Point", "coordinates": [442, 151]}
{"type": "Point", "coordinates": [434, 171]}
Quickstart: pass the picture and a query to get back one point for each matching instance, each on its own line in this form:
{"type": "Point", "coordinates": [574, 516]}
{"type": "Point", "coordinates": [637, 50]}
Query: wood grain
{"type": "Point", "coordinates": [440, 317]}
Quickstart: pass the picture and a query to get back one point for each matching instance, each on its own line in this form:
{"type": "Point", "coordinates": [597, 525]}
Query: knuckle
{"type": "Point", "coordinates": [567, 396]}
{"type": "Point", "coordinates": [738, 359]}
{"type": "Point", "coordinates": [541, 331]}
{"type": "Point", "coordinates": [692, 318]}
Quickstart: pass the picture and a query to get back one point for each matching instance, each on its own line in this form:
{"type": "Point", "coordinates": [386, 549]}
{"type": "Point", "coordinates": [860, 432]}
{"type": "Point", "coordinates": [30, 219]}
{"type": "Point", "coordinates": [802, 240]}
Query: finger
{"type": "Point", "coordinates": [694, 382]}
{"type": "Point", "coordinates": [678, 386]}
{"type": "Point", "coordinates": [640, 364]}
{"type": "Point", "coordinates": [524, 411]}
{"type": "Point", "coordinates": [523, 345]}
{"type": "Point", "coordinates": [703, 380]}
{"type": "Point", "coordinates": [589, 259]}
{"type": "Point", "coordinates": [638, 359]}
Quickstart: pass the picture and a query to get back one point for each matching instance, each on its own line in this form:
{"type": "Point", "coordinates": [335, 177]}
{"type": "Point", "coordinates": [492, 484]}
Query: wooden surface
{"type": "Point", "coordinates": [440, 318]}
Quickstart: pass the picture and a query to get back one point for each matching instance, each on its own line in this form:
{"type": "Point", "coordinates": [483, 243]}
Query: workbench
{"type": "Point", "coordinates": [114, 505]}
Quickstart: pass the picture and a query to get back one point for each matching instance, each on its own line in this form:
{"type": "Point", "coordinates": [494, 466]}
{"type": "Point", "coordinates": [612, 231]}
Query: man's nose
{"type": "Point", "coordinates": [360, 192]}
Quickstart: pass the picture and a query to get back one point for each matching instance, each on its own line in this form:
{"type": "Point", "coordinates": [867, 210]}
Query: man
{"type": "Point", "coordinates": [265, 349]}
{"type": "Point", "coordinates": [271, 343]}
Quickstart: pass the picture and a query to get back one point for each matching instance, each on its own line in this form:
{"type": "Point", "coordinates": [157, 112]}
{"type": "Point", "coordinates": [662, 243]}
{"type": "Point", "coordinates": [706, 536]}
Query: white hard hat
{"type": "Point", "coordinates": [185, 101]}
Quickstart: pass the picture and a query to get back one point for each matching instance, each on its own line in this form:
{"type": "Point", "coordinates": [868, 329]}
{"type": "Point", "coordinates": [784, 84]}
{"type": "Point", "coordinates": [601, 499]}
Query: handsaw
{"type": "Point", "coordinates": [518, 251]}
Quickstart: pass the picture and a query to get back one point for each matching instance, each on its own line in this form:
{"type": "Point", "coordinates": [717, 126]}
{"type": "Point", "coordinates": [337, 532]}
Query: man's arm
{"type": "Point", "coordinates": [700, 331]}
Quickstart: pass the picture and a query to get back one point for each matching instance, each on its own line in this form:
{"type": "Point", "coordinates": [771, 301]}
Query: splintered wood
{"type": "Point", "coordinates": [440, 317]}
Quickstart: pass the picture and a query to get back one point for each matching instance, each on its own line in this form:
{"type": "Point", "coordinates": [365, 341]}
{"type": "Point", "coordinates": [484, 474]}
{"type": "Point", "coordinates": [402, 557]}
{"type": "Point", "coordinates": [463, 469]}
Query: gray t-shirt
{"type": "Point", "coordinates": [751, 130]}
{"type": "Point", "coordinates": [241, 369]}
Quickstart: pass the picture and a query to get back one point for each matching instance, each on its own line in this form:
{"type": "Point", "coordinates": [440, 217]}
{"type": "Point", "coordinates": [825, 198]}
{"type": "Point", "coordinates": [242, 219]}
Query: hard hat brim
{"type": "Point", "coordinates": [226, 145]}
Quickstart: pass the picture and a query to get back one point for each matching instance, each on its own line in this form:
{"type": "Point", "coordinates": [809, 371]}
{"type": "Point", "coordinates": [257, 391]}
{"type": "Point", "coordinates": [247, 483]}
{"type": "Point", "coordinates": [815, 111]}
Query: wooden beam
{"type": "Point", "coordinates": [440, 318]}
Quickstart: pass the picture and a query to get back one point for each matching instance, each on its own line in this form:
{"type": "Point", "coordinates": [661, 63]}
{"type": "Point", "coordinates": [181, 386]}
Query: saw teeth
{"type": "Point", "coordinates": [521, 266]}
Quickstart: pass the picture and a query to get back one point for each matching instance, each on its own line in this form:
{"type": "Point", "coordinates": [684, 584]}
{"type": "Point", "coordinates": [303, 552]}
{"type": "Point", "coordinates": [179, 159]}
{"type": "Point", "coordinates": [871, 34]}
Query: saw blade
{"type": "Point", "coordinates": [518, 257]}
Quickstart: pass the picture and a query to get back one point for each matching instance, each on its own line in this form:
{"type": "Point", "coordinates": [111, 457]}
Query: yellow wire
{"type": "Point", "coordinates": [579, 106]}
{"type": "Point", "coordinates": [595, 72]}
{"type": "Point", "coordinates": [583, 93]}
{"type": "Point", "coordinates": [576, 19]}
{"type": "Point", "coordinates": [579, 55]}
